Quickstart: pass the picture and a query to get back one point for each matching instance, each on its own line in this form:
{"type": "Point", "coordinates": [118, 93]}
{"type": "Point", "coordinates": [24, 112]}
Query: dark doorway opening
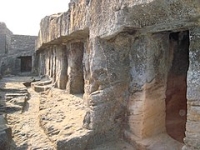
{"type": "Point", "coordinates": [176, 102]}
{"type": "Point", "coordinates": [26, 63]}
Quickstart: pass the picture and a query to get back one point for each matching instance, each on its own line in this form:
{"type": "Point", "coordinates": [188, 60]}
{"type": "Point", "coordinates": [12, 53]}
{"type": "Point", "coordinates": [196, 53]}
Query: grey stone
{"type": "Point", "coordinates": [14, 48]}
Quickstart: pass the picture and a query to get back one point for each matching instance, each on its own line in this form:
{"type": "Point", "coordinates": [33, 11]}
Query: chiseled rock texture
{"type": "Point", "coordinates": [193, 117]}
{"type": "Point", "coordinates": [120, 54]}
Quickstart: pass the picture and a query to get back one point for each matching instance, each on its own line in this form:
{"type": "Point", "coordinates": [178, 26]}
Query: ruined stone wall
{"type": "Point", "coordinates": [22, 44]}
{"type": "Point", "coordinates": [5, 131]}
{"type": "Point", "coordinates": [2, 44]}
{"type": "Point", "coordinates": [5, 38]}
{"type": "Point", "coordinates": [12, 47]}
{"type": "Point", "coordinates": [4, 29]}
{"type": "Point", "coordinates": [126, 62]}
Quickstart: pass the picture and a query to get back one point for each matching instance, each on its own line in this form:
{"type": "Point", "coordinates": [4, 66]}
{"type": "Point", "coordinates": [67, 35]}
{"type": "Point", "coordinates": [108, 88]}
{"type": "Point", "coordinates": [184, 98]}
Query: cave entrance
{"type": "Point", "coordinates": [26, 63]}
{"type": "Point", "coordinates": [176, 102]}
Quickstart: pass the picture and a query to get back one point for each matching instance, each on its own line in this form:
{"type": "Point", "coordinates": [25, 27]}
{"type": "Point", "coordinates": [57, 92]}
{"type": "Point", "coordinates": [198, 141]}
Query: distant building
{"type": "Point", "coordinates": [17, 52]}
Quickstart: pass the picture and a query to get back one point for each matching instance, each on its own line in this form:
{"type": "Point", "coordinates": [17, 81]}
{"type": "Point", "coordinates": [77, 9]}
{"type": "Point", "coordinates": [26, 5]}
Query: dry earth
{"type": "Point", "coordinates": [44, 119]}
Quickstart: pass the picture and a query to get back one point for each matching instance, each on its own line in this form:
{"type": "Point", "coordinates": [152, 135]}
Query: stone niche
{"type": "Point", "coordinates": [26, 63]}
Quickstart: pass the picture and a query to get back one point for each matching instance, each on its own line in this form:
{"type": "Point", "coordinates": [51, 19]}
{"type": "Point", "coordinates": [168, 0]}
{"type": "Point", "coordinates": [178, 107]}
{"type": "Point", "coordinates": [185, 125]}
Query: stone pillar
{"type": "Point", "coordinates": [51, 62]}
{"type": "Point", "coordinates": [146, 107]}
{"type": "Point", "coordinates": [47, 59]}
{"type": "Point", "coordinates": [192, 139]}
{"type": "Point", "coordinates": [57, 64]}
{"type": "Point", "coordinates": [106, 89]}
{"type": "Point", "coordinates": [62, 69]}
{"type": "Point", "coordinates": [41, 63]}
{"type": "Point", "coordinates": [75, 84]}
{"type": "Point", "coordinates": [54, 64]}
{"type": "Point", "coordinates": [34, 63]}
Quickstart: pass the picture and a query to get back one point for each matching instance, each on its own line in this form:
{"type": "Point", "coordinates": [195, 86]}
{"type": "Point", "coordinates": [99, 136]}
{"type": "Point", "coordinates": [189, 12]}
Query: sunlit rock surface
{"type": "Point", "coordinates": [121, 55]}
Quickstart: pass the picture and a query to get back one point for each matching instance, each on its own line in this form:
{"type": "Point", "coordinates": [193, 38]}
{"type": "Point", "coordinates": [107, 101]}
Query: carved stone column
{"type": "Point", "coordinates": [75, 84]}
{"type": "Point", "coordinates": [146, 107]}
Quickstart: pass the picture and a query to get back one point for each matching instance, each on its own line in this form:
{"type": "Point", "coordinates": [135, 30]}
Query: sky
{"type": "Point", "coordinates": [24, 16]}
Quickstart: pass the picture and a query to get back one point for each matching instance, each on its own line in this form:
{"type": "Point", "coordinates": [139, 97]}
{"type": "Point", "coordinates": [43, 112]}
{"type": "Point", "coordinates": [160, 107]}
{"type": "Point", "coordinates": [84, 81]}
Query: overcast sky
{"type": "Point", "coordinates": [23, 16]}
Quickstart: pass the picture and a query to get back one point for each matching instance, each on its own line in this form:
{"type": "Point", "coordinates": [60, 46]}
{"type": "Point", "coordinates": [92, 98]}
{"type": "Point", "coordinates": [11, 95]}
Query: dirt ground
{"type": "Point", "coordinates": [45, 117]}
{"type": "Point", "coordinates": [26, 132]}
{"type": "Point", "coordinates": [42, 120]}
{"type": "Point", "coordinates": [39, 121]}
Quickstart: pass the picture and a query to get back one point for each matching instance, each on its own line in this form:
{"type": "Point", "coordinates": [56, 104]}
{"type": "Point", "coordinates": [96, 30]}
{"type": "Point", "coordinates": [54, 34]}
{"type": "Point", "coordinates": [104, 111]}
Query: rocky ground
{"type": "Point", "coordinates": [45, 121]}
{"type": "Point", "coordinates": [22, 116]}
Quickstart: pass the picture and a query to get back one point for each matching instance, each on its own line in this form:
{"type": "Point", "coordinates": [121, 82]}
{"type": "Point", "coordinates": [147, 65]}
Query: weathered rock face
{"type": "Point", "coordinates": [75, 82]}
{"type": "Point", "coordinates": [127, 56]}
{"type": "Point", "coordinates": [193, 122]}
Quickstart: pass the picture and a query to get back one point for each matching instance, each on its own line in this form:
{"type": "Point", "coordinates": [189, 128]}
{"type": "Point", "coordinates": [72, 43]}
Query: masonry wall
{"type": "Point", "coordinates": [4, 29]}
{"type": "Point", "coordinates": [22, 44]}
{"type": "Point", "coordinates": [2, 44]}
{"type": "Point", "coordinates": [12, 47]}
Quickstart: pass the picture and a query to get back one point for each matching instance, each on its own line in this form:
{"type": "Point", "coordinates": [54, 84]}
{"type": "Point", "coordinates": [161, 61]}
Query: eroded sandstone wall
{"type": "Point", "coordinates": [105, 18]}
{"type": "Point", "coordinates": [126, 61]}
{"type": "Point", "coordinates": [146, 103]}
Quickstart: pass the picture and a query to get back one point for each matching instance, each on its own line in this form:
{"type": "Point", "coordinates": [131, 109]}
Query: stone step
{"type": "Point", "coordinates": [10, 96]}
{"type": "Point", "coordinates": [42, 83]}
{"type": "Point", "coordinates": [16, 94]}
{"type": "Point", "coordinates": [10, 90]}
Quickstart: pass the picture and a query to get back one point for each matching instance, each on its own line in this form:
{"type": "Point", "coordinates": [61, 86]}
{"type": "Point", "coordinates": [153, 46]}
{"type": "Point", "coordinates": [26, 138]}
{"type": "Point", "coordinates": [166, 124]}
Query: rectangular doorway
{"type": "Point", "coordinates": [176, 101]}
{"type": "Point", "coordinates": [26, 63]}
